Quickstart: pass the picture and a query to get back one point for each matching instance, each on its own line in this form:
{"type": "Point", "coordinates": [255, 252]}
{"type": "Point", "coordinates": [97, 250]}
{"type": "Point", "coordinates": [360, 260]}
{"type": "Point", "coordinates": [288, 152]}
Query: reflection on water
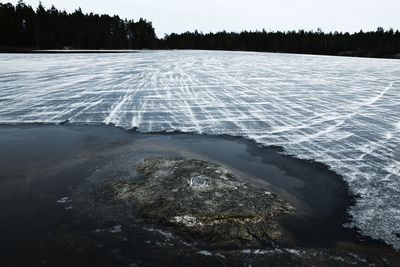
{"type": "Point", "coordinates": [43, 166]}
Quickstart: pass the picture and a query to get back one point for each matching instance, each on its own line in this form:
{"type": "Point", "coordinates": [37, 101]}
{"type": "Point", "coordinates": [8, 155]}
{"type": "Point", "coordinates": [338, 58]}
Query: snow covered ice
{"type": "Point", "coordinates": [344, 112]}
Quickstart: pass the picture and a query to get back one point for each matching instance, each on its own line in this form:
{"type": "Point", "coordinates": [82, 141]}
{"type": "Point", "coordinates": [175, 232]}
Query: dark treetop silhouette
{"type": "Point", "coordinates": [22, 27]}
{"type": "Point", "coordinates": [380, 43]}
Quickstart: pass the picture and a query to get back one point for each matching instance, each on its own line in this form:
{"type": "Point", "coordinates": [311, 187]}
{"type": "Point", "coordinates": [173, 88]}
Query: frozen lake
{"type": "Point", "coordinates": [344, 112]}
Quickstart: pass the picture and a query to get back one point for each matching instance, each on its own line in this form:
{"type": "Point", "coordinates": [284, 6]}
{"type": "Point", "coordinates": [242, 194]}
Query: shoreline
{"type": "Point", "coordinates": [121, 51]}
{"type": "Point", "coordinates": [69, 154]}
{"type": "Point", "coordinates": [66, 51]}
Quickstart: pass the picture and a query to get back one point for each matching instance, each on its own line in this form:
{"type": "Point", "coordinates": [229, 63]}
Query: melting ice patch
{"type": "Point", "coordinates": [340, 111]}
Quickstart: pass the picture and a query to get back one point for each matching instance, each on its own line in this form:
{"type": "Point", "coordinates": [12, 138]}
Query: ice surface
{"type": "Point", "coordinates": [344, 112]}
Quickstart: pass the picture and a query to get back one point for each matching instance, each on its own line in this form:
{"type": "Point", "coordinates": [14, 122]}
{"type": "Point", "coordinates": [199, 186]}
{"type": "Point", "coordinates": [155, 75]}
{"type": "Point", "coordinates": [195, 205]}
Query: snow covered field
{"type": "Point", "coordinates": [344, 112]}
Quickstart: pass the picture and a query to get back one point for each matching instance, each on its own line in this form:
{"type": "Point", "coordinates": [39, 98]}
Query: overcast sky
{"type": "Point", "coordinates": [236, 15]}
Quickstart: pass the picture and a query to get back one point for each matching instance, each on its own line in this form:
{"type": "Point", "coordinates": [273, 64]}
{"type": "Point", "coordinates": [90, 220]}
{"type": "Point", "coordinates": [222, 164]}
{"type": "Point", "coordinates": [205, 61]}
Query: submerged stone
{"type": "Point", "coordinates": [203, 211]}
{"type": "Point", "coordinates": [206, 202]}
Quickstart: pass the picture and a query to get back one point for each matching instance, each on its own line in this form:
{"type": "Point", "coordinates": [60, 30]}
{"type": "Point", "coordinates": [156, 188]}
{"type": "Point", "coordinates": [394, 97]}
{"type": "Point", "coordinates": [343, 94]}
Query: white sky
{"type": "Point", "coordinates": [236, 15]}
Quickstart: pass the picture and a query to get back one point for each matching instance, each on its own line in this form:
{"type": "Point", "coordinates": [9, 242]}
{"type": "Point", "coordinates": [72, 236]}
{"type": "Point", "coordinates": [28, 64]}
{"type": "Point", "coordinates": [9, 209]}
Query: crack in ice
{"type": "Point", "coordinates": [340, 111]}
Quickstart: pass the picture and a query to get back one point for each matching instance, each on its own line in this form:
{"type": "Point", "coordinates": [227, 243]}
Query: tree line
{"type": "Point", "coordinates": [23, 27]}
{"type": "Point", "coordinates": [379, 43]}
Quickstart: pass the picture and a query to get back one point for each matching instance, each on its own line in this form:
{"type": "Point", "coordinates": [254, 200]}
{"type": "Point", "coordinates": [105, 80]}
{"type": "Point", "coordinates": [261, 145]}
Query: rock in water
{"type": "Point", "coordinates": [206, 202]}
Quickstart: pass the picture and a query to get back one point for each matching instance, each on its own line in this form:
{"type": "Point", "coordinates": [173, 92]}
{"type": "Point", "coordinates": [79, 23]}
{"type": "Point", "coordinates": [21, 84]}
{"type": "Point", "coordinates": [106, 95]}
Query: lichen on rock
{"type": "Point", "coordinates": [204, 201]}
